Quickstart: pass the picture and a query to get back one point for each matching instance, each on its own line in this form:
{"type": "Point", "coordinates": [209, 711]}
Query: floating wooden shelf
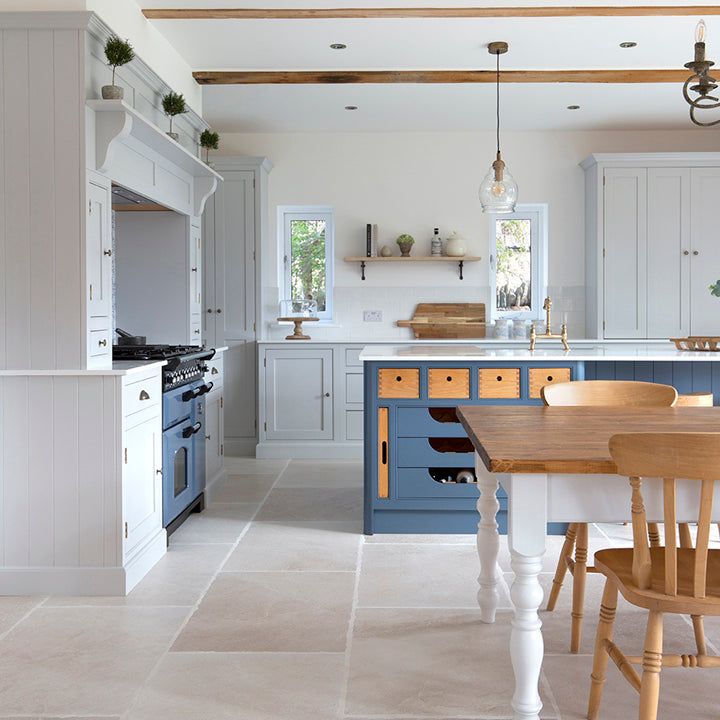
{"type": "Point", "coordinates": [412, 259]}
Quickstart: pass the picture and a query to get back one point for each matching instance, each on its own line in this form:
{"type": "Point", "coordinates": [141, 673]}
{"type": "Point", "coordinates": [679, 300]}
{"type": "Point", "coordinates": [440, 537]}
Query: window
{"type": "Point", "coordinates": [306, 258]}
{"type": "Point", "coordinates": [518, 262]}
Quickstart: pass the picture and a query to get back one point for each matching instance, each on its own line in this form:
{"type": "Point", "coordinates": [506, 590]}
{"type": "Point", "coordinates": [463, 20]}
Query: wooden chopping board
{"type": "Point", "coordinates": [452, 321]}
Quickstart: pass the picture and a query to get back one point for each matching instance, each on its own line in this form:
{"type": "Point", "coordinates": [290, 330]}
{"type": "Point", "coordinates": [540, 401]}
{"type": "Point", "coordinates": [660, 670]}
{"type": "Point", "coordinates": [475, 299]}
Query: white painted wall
{"type": "Point", "coordinates": [413, 182]}
{"type": "Point", "coordinates": [126, 19]}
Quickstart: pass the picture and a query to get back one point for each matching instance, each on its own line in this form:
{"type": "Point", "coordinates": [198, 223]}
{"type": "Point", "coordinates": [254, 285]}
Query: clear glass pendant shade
{"type": "Point", "coordinates": [498, 191]}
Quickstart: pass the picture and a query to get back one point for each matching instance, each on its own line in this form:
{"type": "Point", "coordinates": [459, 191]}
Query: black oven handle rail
{"type": "Point", "coordinates": [192, 430]}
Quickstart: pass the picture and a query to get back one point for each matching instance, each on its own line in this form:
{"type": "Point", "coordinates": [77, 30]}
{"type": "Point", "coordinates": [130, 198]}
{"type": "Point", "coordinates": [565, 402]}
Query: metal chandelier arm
{"type": "Point", "coordinates": [703, 124]}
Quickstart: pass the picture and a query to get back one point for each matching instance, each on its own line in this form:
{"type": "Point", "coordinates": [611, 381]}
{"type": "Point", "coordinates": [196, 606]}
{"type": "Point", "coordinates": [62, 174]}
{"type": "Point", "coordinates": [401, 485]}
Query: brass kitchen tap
{"type": "Point", "coordinates": [547, 335]}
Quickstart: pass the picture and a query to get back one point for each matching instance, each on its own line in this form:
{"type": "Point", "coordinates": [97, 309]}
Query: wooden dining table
{"type": "Point", "coordinates": [555, 466]}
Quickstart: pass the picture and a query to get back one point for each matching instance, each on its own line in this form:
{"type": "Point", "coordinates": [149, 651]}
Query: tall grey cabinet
{"type": "Point", "coordinates": [234, 224]}
{"type": "Point", "coordinates": [651, 249]}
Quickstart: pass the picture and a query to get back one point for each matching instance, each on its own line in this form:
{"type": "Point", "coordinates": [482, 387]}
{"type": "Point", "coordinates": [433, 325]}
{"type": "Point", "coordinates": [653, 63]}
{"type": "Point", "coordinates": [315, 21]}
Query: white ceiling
{"type": "Point", "coordinates": [537, 43]}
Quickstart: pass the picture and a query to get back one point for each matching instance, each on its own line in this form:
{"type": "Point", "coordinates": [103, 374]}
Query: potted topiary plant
{"type": "Point", "coordinates": [173, 104]}
{"type": "Point", "coordinates": [715, 289]}
{"type": "Point", "coordinates": [118, 53]}
{"type": "Point", "coordinates": [405, 243]}
{"type": "Point", "coordinates": [210, 141]}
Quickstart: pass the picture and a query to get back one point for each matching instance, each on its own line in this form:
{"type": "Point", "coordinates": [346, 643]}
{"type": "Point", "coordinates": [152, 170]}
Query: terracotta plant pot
{"type": "Point", "coordinates": [112, 92]}
{"type": "Point", "coordinates": [405, 249]}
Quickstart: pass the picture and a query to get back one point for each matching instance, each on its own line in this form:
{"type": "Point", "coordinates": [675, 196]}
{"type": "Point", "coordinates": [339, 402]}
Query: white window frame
{"type": "Point", "coordinates": [538, 215]}
{"type": "Point", "coordinates": [288, 213]}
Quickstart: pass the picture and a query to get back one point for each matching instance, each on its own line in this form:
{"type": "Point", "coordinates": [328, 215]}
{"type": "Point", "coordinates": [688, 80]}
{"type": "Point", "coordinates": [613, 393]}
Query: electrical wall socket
{"type": "Point", "coordinates": [372, 315]}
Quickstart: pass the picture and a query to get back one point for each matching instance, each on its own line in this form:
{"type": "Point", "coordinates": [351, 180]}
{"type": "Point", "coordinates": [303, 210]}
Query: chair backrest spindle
{"type": "Point", "coordinates": [671, 456]}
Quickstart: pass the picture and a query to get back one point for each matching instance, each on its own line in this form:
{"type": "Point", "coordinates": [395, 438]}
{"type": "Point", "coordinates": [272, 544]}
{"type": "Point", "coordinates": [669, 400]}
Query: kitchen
{"type": "Point", "coordinates": [230, 501]}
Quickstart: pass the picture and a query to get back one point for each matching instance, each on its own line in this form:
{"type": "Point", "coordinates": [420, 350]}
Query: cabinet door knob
{"type": "Point", "coordinates": [144, 395]}
{"type": "Point", "coordinates": [207, 437]}
{"type": "Point", "coordinates": [686, 252]}
{"type": "Point", "coordinates": [327, 394]}
{"type": "Point", "coordinates": [696, 252]}
{"type": "Point", "coordinates": [218, 311]}
{"type": "Point", "coordinates": [197, 332]}
{"type": "Point", "coordinates": [102, 343]}
{"type": "Point", "coordinates": [214, 371]}
{"type": "Point", "coordinates": [158, 472]}
{"type": "Point", "coordinates": [108, 252]}
{"type": "Point", "coordinates": [193, 269]}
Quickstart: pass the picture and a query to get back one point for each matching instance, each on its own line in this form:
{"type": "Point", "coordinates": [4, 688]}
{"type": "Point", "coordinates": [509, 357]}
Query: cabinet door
{"type": "Point", "coordinates": [625, 246]}
{"type": "Point", "coordinates": [668, 257]}
{"type": "Point", "coordinates": [233, 308]}
{"type": "Point", "coordinates": [213, 435]}
{"type": "Point", "coordinates": [99, 251]}
{"type": "Point", "coordinates": [142, 481]}
{"type": "Point", "coordinates": [195, 276]}
{"type": "Point", "coordinates": [705, 252]}
{"type": "Point", "coordinates": [298, 397]}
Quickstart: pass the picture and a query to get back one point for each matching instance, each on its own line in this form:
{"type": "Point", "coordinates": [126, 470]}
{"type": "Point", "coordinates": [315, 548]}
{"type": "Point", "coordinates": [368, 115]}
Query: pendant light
{"type": "Point", "coordinates": [498, 191]}
{"type": "Point", "coordinates": [701, 83]}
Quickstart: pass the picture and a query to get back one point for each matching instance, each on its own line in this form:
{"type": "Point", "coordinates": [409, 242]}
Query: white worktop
{"type": "Point", "coordinates": [622, 352]}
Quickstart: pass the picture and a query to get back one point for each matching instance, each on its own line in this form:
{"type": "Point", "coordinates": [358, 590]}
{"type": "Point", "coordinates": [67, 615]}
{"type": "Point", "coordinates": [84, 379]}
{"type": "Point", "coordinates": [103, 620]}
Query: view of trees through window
{"type": "Point", "coordinates": [514, 264]}
{"type": "Point", "coordinates": [307, 263]}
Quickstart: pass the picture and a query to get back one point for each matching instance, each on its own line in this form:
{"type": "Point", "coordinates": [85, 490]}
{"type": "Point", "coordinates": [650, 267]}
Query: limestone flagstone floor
{"type": "Point", "coordinates": [271, 605]}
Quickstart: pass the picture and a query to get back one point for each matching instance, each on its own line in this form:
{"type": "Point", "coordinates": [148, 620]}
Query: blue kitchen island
{"type": "Point", "coordinates": [419, 463]}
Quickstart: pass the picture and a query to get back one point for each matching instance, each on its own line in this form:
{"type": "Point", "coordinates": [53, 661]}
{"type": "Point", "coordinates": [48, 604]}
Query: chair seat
{"type": "Point", "coordinates": [616, 564]}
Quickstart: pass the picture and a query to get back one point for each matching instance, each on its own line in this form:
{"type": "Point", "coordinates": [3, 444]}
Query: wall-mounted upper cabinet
{"type": "Point", "coordinates": [650, 249]}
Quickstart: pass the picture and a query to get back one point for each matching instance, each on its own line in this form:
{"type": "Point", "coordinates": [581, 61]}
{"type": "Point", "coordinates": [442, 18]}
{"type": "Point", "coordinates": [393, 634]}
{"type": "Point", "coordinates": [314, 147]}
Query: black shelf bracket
{"type": "Point", "coordinates": [460, 266]}
{"type": "Point", "coordinates": [362, 270]}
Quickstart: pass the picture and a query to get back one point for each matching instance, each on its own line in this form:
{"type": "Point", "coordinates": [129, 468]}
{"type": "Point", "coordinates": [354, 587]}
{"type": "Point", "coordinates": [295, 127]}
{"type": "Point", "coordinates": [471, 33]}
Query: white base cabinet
{"type": "Point", "coordinates": [215, 422]}
{"type": "Point", "coordinates": [651, 250]}
{"type": "Point", "coordinates": [311, 400]}
{"type": "Point", "coordinates": [81, 481]}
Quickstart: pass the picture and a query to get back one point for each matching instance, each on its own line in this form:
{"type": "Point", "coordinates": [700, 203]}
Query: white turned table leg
{"type": "Point", "coordinates": [488, 542]}
{"type": "Point", "coordinates": [527, 516]}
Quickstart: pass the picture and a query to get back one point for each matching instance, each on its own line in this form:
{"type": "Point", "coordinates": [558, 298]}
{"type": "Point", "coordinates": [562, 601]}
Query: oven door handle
{"type": "Point", "coordinates": [205, 389]}
{"type": "Point", "coordinates": [192, 430]}
{"type": "Point", "coordinates": [189, 395]}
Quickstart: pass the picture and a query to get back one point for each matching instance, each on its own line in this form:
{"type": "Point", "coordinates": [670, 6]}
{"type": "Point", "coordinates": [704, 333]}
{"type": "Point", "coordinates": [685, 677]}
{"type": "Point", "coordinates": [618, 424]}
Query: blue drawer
{"type": "Point", "coordinates": [425, 452]}
{"type": "Point", "coordinates": [426, 421]}
{"type": "Point", "coordinates": [415, 483]}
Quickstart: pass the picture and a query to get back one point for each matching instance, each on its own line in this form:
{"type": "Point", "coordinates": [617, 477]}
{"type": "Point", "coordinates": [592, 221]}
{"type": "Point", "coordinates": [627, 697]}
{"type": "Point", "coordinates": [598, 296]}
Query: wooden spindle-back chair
{"type": "Point", "coordinates": [609, 393]}
{"type": "Point", "coordinates": [669, 579]}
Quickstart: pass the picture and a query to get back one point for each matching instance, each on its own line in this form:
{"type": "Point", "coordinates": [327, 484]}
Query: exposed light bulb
{"type": "Point", "coordinates": [498, 189]}
{"type": "Point", "coordinates": [701, 32]}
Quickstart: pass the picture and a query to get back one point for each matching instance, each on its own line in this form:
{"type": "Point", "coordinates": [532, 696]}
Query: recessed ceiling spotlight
{"type": "Point", "coordinates": [339, 46]}
{"type": "Point", "coordinates": [573, 107]}
{"type": "Point", "coordinates": [351, 107]}
{"type": "Point", "coordinates": [628, 44]}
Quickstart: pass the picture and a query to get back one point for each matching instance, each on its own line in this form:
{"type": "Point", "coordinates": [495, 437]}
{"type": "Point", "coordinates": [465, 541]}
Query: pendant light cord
{"type": "Point", "coordinates": [497, 102]}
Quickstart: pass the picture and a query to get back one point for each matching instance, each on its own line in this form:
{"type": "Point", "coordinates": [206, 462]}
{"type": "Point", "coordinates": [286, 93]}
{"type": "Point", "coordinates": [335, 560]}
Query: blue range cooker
{"type": "Point", "coordinates": [183, 420]}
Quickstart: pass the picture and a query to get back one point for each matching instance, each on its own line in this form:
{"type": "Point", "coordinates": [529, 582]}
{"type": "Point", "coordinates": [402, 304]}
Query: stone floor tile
{"type": "Point", "coordinates": [218, 523]}
{"type": "Point", "coordinates": [293, 503]}
{"type": "Point", "coordinates": [241, 489]}
{"type": "Point", "coordinates": [330, 474]}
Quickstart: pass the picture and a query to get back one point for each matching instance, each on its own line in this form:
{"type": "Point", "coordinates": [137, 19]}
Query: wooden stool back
{"type": "Point", "coordinates": [628, 393]}
{"type": "Point", "coordinates": [690, 456]}
{"type": "Point", "coordinates": [699, 399]}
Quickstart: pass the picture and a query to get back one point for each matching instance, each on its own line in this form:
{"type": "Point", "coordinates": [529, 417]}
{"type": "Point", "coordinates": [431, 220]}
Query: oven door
{"type": "Point", "coordinates": [179, 488]}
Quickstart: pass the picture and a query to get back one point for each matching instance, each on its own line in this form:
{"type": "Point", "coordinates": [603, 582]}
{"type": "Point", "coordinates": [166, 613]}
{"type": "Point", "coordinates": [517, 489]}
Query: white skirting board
{"type": "Point", "coordinates": [309, 451]}
{"type": "Point", "coordinates": [84, 581]}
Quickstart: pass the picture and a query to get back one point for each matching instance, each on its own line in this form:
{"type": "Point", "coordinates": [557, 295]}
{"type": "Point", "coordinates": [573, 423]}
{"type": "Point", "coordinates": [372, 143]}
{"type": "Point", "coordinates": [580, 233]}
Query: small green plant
{"type": "Point", "coordinates": [715, 289]}
{"type": "Point", "coordinates": [210, 141]}
{"type": "Point", "coordinates": [405, 239]}
{"type": "Point", "coordinates": [174, 104]}
{"type": "Point", "coordinates": [118, 53]}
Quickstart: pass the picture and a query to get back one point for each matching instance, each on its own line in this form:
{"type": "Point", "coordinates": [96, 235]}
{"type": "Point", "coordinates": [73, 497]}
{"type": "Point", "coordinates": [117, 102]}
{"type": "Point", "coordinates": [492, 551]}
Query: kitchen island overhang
{"type": "Point", "coordinates": [417, 456]}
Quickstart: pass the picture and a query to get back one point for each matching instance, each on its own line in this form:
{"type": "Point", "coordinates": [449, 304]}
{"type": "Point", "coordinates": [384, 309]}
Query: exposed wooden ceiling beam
{"type": "Point", "coordinates": [428, 12]}
{"type": "Point", "coordinates": [347, 77]}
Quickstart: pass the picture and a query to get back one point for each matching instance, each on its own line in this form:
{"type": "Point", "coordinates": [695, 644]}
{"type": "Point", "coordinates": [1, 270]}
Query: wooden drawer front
{"type": "Point", "coordinates": [499, 383]}
{"type": "Point", "coordinates": [419, 483]}
{"type": "Point", "coordinates": [141, 394]}
{"type": "Point", "coordinates": [435, 452]}
{"type": "Point", "coordinates": [399, 383]}
{"type": "Point", "coordinates": [539, 377]}
{"type": "Point", "coordinates": [383, 454]}
{"type": "Point", "coordinates": [426, 422]}
{"type": "Point", "coordinates": [449, 383]}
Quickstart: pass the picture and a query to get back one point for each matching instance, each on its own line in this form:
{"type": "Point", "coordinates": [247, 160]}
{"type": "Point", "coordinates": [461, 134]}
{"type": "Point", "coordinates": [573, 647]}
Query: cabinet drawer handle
{"type": "Point", "coordinates": [102, 343]}
{"type": "Point", "coordinates": [107, 252]}
{"type": "Point", "coordinates": [384, 457]}
{"type": "Point", "coordinates": [193, 269]}
{"type": "Point", "coordinates": [549, 378]}
{"type": "Point", "coordinates": [144, 395]}
{"type": "Point", "coordinates": [197, 332]}
{"type": "Point", "coordinates": [158, 472]}
{"type": "Point", "coordinates": [207, 437]}
{"type": "Point", "coordinates": [449, 378]}
{"type": "Point", "coordinates": [214, 371]}
{"type": "Point", "coordinates": [499, 378]}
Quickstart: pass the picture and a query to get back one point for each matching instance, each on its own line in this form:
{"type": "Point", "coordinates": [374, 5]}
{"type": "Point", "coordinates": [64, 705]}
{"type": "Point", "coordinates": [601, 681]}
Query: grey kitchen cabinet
{"type": "Point", "coordinates": [233, 225]}
{"type": "Point", "coordinates": [298, 394]}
